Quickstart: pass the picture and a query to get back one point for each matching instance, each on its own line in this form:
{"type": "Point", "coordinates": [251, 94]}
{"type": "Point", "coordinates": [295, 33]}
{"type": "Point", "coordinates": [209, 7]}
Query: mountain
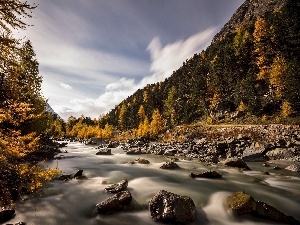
{"type": "Point", "coordinates": [252, 66]}
{"type": "Point", "coordinates": [246, 13]}
{"type": "Point", "coordinates": [50, 110]}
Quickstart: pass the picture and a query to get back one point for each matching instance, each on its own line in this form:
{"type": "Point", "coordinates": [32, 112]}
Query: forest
{"type": "Point", "coordinates": [250, 75]}
{"type": "Point", "coordinates": [24, 123]}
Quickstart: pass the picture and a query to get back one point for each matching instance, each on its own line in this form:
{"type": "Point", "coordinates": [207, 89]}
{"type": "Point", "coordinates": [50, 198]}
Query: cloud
{"type": "Point", "coordinates": [66, 86]}
{"type": "Point", "coordinates": [164, 60]}
{"type": "Point", "coordinates": [170, 57]}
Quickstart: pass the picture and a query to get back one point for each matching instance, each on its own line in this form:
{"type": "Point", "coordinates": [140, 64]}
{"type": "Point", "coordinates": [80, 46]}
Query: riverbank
{"type": "Point", "coordinates": [212, 144]}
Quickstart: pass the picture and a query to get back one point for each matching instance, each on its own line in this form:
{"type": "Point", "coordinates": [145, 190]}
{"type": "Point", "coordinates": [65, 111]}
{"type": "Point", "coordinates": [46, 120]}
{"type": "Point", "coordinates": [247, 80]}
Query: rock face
{"type": "Point", "coordinates": [249, 10]}
{"type": "Point", "coordinates": [241, 203]}
{"type": "Point", "coordinates": [118, 187]}
{"type": "Point", "coordinates": [169, 165]}
{"type": "Point", "coordinates": [221, 109]}
{"type": "Point", "coordinates": [171, 208]}
{"type": "Point", "coordinates": [115, 203]}
{"type": "Point", "coordinates": [207, 174]}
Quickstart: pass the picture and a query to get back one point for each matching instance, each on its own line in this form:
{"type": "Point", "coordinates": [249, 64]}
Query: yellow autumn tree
{"type": "Point", "coordinates": [21, 106]}
{"type": "Point", "coordinates": [143, 129]}
{"type": "Point", "coordinates": [242, 107]}
{"type": "Point", "coordinates": [278, 74]}
{"type": "Point", "coordinates": [286, 109]}
{"type": "Point", "coordinates": [123, 117]}
{"type": "Point", "coordinates": [108, 131]}
{"type": "Point", "coordinates": [157, 123]}
{"type": "Point", "coordinates": [141, 113]}
{"type": "Point", "coordinates": [261, 37]}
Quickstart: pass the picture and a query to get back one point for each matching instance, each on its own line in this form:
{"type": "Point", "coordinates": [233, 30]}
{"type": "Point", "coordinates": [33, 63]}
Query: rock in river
{"type": "Point", "coordinates": [115, 203]}
{"type": "Point", "coordinates": [104, 151]}
{"type": "Point", "coordinates": [171, 208]}
{"type": "Point", "coordinates": [294, 168]}
{"type": "Point", "coordinates": [6, 215]}
{"type": "Point", "coordinates": [169, 165]}
{"type": "Point", "coordinates": [207, 174]}
{"type": "Point", "coordinates": [115, 188]}
{"type": "Point", "coordinates": [241, 203]}
{"type": "Point", "coordinates": [236, 162]}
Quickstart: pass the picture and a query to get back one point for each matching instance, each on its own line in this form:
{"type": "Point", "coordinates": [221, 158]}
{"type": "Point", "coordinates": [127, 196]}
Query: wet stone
{"type": "Point", "coordinates": [118, 187]}
{"type": "Point", "coordinates": [171, 208]}
{"type": "Point", "coordinates": [115, 203]}
{"type": "Point", "coordinates": [207, 174]}
{"type": "Point", "coordinates": [169, 165]}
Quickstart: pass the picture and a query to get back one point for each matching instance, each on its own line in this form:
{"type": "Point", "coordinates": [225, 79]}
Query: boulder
{"type": "Point", "coordinates": [294, 168]}
{"type": "Point", "coordinates": [6, 214]}
{"type": "Point", "coordinates": [78, 174]}
{"type": "Point", "coordinates": [280, 153]}
{"type": "Point", "coordinates": [65, 177]}
{"type": "Point", "coordinates": [170, 152]}
{"type": "Point", "coordinates": [241, 203]}
{"type": "Point", "coordinates": [222, 109]}
{"type": "Point", "coordinates": [143, 161]}
{"type": "Point", "coordinates": [169, 165]}
{"type": "Point", "coordinates": [207, 174]}
{"type": "Point", "coordinates": [256, 152]}
{"type": "Point", "coordinates": [134, 151]}
{"type": "Point", "coordinates": [269, 212]}
{"type": "Point", "coordinates": [236, 162]}
{"type": "Point", "coordinates": [104, 151]}
{"type": "Point", "coordinates": [115, 203]}
{"type": "Point", "coordinates": [171, 208]}
{"type": "Point", "coordinates": [118, 187]}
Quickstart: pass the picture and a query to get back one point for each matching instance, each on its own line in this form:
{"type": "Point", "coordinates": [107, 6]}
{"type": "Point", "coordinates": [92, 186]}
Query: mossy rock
{"type": "Point", "coordinates": [240, 203]}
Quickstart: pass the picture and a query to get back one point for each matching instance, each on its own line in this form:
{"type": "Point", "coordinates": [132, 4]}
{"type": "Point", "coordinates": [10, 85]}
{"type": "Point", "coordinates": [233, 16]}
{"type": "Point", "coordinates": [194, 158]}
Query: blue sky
{"type": "Point", "coordinates": [95, 53]}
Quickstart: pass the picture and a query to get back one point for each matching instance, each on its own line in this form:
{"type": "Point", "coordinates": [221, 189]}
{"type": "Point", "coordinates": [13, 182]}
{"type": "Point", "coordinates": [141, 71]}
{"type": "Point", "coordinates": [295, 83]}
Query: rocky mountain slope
{"type": "Point", "coordinates": [247, 12]}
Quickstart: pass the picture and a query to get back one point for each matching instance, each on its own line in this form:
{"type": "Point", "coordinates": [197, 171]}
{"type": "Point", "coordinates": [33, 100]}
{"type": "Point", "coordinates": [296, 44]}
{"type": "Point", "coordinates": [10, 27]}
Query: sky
{"type": "Point", "coordinates": [92, 54]}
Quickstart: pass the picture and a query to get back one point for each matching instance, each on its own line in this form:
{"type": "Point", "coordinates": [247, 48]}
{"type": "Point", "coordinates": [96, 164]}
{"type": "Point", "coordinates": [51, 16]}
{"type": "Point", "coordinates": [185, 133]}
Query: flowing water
{"type": "Point", "coordinates": [74, 202]}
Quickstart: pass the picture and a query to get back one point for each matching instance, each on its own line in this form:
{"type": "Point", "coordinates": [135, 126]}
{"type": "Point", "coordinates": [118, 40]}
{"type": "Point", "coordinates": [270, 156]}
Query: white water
{"type": "Point", "coordinates": [73, 202]}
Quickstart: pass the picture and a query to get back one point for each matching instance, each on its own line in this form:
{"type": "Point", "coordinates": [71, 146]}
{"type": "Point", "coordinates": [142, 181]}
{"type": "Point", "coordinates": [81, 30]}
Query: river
{"type": "Point", "coordinates": [74, 202]}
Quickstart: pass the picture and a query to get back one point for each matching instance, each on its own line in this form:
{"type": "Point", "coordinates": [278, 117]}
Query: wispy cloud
{"type": "Point", "coordinates": [164, 60]}
{"type": "Point", "coordinates": [93, 55]}
{"type": "Point", "coordinates": [66, 86]}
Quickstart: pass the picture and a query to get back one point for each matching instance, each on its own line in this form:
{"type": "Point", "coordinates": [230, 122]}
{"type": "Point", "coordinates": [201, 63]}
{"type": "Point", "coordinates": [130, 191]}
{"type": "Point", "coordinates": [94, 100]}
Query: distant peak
{"type": "Point", "coordinates": [49, 109]}
{"type": "Point", "coordinates": [248, 11]}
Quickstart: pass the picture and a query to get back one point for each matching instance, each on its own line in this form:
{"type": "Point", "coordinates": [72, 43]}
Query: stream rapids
{"type": "Point", "coordinates": [73, 202]}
